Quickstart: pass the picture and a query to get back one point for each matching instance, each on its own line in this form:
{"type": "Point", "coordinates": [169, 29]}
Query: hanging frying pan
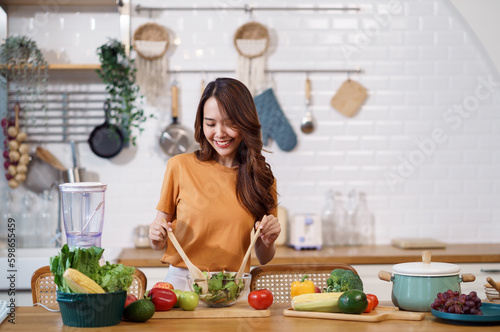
{"type": "Point", "coordinates": [106, 140]}
{"type": "Point", "coordinates": [175, 139]}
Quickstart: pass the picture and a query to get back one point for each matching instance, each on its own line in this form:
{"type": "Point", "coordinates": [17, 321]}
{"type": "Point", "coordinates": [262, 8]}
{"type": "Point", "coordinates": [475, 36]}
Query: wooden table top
{"type": "Point", "coordinates": [38, 319]}
{"type": "Point", "coordinates": [378, 254]}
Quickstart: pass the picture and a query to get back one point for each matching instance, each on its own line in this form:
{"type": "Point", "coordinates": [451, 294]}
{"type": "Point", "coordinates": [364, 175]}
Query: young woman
{"type": "Point", "coordinates": [211, 199]}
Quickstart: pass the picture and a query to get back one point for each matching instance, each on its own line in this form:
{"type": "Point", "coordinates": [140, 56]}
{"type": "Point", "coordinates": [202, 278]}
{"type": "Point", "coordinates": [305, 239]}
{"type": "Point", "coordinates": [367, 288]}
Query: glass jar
{"type": "Point", "coordinates": [141, 238]}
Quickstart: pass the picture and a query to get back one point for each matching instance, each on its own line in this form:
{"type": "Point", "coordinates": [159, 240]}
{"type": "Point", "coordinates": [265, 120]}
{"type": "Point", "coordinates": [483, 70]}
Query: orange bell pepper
{"type": "Point", "coordinates": [302, 287]}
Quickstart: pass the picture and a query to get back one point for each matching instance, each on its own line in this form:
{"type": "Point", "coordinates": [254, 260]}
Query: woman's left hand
{"type": "Point", "coordinates": [270, 229]}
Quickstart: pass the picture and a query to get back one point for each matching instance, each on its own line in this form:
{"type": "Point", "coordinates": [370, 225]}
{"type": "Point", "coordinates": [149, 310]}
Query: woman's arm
{"type": "Point", "coordinates": [158, 230]}
{"type": "Point", "coordinates": [270, 230]}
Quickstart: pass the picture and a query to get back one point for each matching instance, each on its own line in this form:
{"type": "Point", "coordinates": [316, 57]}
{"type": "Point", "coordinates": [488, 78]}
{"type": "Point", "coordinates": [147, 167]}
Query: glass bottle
{"type": "Point", "coordinates": [353, 227]}
{"type": "Point", "coordinates": [46, 223]}
{"type": "Point", "coordinates": [340, 221]}
{"type": "Point", "coordinates": [327, 219]}
{"type": "Point", "coordinates": [28, 228]}
{"type": "Point", "coordinates": [365, 221]}
{"type": "Point", "coordinates": [141, 237]}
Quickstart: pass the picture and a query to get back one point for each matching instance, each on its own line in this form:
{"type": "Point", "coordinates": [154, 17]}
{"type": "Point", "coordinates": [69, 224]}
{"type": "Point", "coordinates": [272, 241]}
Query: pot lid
{"type": "Point", "coordinates": [424, 269]}
{"type": "Point", "coordinates": [83, 187]}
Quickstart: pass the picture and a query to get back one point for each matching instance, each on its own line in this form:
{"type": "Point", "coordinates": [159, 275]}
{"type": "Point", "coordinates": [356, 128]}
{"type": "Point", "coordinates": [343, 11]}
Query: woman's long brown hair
{"type": "Point", "coordinates": [254, 186]}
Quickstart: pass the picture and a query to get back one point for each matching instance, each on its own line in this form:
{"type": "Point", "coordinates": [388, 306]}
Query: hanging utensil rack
{"type": "Point", "coordinates": [270, 71]}
{"type": "Point", "coordinates": [60, 116]}
{"type": "Point", "coordinates": [248, 8]}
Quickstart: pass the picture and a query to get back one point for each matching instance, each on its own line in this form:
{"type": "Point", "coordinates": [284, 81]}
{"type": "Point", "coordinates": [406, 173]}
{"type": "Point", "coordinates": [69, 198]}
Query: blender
{"type": "Point", "coordinates": [83, 213]}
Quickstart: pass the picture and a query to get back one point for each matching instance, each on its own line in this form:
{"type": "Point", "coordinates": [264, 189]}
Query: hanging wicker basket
{"type": "Point", "coordinates": [151, 41]}
{"type": "Point", "coordinates": [251, 40]}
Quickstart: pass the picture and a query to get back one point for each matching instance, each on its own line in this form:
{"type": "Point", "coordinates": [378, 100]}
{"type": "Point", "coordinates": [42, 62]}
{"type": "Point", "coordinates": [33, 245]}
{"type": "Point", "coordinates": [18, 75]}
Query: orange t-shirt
{"type": "Point", "coordinates": [209, 222]}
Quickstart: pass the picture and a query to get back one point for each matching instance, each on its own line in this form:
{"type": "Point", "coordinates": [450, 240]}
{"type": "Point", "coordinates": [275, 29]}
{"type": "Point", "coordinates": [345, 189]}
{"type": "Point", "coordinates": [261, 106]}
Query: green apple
{"type": "Point", "coordinates": [178, 293]}
{"type": "Point", "coordinates": [188, 300]}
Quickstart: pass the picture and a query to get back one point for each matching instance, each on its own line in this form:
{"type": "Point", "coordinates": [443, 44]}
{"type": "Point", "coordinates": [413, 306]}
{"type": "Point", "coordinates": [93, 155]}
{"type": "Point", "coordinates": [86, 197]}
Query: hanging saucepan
{"type": "Point", "coordinates": [415, 285]}
{"type": "Point", "coordinates": [175, 139]}
{"type": "Point", "coordinates": [106, 140]}
{"type": "Point", "coordinates": [40, 176]}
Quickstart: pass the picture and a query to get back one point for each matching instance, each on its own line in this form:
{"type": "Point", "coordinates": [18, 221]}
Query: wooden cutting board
{"type": "Point", "coordinates": [240, 309]}
{"type": "Point", "coordinates": [418, 244]}
{"type": "Point", "coordinates": [376, 315]}
{"type": "Point", "coordinates": [349, 98]}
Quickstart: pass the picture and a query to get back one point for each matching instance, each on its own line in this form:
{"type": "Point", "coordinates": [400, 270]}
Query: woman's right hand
{"type": "Point", "coordinates": [158, 230]}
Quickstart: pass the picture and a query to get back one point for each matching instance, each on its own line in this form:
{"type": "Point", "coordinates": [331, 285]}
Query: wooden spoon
{"type": "Point", "coordinates": [493, 284]}
{"type": "Point", "coordinates": [249, 250]}
{"type": "Point", "coordinates": [193, 270]}
{"type": "Point", "coordinates": [49, 158]}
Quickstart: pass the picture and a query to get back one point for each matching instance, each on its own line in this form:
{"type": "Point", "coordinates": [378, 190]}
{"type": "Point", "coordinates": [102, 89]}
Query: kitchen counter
{"type": "Point", "coordinates": [38, 319]}
{"type": "Point", "coordinates": [378, 254]}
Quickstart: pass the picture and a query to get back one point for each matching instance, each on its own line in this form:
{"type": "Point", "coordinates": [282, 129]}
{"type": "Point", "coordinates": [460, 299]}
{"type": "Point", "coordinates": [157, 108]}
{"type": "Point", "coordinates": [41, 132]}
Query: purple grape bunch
{"type": "Point", "coordinates": [455, 303]}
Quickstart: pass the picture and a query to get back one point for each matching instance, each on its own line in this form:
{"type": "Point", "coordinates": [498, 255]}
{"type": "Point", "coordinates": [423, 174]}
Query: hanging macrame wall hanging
{"type": "Point", "coordinates": [151, 43]}
{"type": "Point", "coordinates": [252, 41]}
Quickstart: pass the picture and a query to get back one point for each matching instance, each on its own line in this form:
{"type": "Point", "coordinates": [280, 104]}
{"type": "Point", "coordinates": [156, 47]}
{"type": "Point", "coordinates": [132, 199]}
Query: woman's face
{"type": "Point", "coordinates": [219, 133]}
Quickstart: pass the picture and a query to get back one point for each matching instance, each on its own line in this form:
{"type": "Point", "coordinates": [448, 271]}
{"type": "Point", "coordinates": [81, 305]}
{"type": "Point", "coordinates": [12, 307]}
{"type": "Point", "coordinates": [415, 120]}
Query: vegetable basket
{"type": "Point", "coordinates": [91, 310]}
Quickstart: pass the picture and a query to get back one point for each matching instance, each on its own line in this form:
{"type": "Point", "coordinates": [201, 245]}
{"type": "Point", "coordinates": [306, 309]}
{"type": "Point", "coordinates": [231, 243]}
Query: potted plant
{"type": "Point", "coordinates": [118, 74]}
{"type": "Point", "coordinates": [20, 50]}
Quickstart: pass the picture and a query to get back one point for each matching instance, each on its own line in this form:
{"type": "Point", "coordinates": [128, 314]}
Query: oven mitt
{"type": "Point", "coordinates": [274, 122]}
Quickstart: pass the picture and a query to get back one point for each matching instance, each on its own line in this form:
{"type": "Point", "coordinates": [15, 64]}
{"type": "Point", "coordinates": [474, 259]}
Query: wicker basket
{"type": "Point", "coordinates": [151, 41]}
{"type": "Point", "coordinates": [251, 31]}
{"type": "Point", "coordinates": [278, 278]}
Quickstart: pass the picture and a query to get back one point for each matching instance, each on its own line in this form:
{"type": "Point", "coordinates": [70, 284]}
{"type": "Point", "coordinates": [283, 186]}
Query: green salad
{"type": "Point", "coordinates": [223, 289]}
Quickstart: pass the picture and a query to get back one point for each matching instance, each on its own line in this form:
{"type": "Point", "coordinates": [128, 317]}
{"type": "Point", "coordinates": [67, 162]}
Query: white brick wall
{"type": "Point", "coordinates": [418, 63]}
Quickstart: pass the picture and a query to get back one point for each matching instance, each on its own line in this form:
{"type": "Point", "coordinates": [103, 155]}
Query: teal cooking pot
{"type": "Point", "coordinates": [416, 285]}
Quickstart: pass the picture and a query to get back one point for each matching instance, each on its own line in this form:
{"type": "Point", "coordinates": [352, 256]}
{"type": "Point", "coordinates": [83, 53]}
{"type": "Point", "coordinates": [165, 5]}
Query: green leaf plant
{"type": "Point", "coordinates": [119, 75]}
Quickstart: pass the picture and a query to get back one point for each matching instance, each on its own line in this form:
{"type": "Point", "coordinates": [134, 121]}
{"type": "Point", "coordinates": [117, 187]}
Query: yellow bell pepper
{"type": "Point", "coordinates": [302, 287]}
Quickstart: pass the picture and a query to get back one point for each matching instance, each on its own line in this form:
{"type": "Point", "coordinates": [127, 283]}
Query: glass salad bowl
{"type": "Point", "coordinates": [224, 289]}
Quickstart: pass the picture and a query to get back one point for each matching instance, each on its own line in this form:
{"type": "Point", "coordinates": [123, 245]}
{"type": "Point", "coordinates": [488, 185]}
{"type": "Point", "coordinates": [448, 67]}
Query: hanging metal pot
{"type": "Point", "coordinates": [175, 139]}
{"type": "Point", "coordinates": [40, 176]}
{"type": "Point", "coordinates": [415, 285]}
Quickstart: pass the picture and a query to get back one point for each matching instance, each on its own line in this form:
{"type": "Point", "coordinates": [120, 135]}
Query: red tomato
{"type": "Point", "coordinates": [260, 299]}
{"type": "Point", "coordinates": [316, 289]}
{"type": "Point", "coordinates": [163, 299]}
{"type": "Point", "coordinates": [371, 304]}
{"type": "Point", "coordinates": [165, 285]}
{"type": "Point", "coordinates": [130, 298]}
{"type": "Point", "coordinates": [374, 299]}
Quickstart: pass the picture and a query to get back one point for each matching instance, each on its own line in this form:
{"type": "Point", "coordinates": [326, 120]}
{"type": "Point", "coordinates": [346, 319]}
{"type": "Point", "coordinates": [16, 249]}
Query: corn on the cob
{"type": "Point", "coordinates": [323, 302]}
{"type": "Point", "coordinates": [80, 283]}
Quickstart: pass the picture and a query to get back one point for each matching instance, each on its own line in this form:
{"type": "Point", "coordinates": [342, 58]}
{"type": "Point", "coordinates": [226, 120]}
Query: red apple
{"type": "Point", "coordinates": [165, 285]}
{"type": "Point", "coordinates": [130, 298]}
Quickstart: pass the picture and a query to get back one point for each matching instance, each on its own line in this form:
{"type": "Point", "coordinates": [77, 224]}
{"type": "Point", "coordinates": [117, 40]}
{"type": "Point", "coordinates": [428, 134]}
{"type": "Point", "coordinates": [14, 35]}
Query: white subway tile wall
{"type": "Point", "coordinates": [424, 146]}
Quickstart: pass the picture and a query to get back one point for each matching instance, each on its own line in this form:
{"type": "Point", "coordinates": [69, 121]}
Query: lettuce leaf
{"type": "Point", "coordinates": [115, 277]}
{"type": "Point", "coordinates": [111, 277]}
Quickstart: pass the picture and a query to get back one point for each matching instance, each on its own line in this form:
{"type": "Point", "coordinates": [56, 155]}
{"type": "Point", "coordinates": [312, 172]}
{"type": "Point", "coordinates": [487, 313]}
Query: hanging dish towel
{"type": "Point", "coordinates": [274, 122]}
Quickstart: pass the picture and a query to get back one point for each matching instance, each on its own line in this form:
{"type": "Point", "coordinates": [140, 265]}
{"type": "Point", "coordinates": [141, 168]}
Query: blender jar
{"type": "Point", "coordinates": [83, 212]}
